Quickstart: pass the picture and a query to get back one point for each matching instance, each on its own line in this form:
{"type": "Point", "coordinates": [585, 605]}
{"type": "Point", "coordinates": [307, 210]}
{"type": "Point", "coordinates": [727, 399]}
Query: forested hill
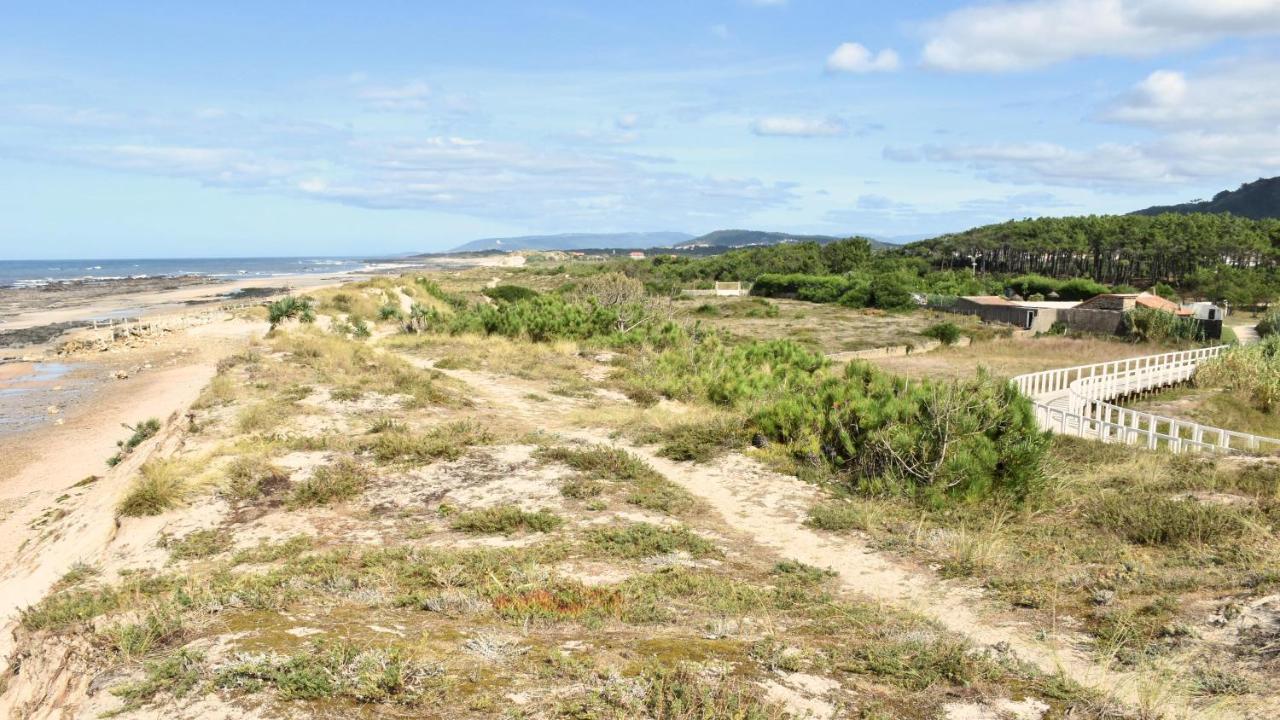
{"type": "Point", "coordinates": [1114, 249]}
{"type": "Point", "coordinates": [749, 238]}
{"type": "Point", "coordinates": [1258, 200]}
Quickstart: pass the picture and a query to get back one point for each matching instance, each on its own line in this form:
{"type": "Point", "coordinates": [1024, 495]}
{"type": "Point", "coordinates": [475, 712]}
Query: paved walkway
{"type": "Point", "coordinates": [1245, 334]}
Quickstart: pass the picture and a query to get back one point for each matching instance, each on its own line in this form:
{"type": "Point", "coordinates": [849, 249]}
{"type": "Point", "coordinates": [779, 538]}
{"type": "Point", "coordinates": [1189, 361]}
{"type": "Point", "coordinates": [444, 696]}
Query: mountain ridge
{"type": "Point", "coordinates": [1257, 200]}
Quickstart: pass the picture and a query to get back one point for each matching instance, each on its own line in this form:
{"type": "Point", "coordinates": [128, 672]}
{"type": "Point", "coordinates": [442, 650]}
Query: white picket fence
{"type": "Point", "coordinates": [1076, 401]}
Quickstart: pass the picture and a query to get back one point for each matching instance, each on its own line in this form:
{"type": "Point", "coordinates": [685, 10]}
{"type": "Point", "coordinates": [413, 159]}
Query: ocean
{"type": "Point", "coordinates": [29, 273]}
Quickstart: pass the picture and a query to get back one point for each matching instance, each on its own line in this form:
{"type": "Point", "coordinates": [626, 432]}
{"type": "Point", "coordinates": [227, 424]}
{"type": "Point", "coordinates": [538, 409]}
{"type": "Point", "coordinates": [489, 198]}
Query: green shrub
{"type": "Point", "coordinates": [639, 540]}
{"type": "Point", "coordinates": [510, 293]}
{"type": "Point", "coordinates": [1269, 324]}
{"type": "Point", "coordinates": [198, 544]}
{"type": "Point", "coordinates": [1166, 521]}
{"type": "Point", "coordinates": [142, 431]}
{"type": "Point", "coordinates": [702, 441]}
{"type": "Point", "coordinates": [288, 307]}
{"type": "Point", "coordinates": [968, 438]}
{"type": "Point", "coordinates": [160, 485]}
{"type": "Point", "coordinates": [340, 480]}
{"type": "Point", "coordinates": [390, 312]}
{"type": "Point", "coordinates": [1151, 325]}
{"type": "Point", "coordinates": [837, 515]}
{"type": "Point", "coordinates": [1250, 370]}
{"type": "Point", "coordinates": [946, 333]}
{"type": "Point", "coordinates": [505, 519]}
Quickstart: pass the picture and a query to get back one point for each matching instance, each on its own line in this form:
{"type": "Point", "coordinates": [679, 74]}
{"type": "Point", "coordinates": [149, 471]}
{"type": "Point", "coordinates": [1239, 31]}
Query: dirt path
{"type": "Point", "coordinates": [769, 509]}
{"type": "Point", "coordinates": [1245, 334]}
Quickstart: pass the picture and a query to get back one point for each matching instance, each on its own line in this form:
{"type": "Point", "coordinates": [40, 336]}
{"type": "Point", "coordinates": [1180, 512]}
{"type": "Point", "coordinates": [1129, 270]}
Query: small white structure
{"type": "Point", "coordinates": [1206, 311]}
{"type": "Point", "coordinates": [729, 289]}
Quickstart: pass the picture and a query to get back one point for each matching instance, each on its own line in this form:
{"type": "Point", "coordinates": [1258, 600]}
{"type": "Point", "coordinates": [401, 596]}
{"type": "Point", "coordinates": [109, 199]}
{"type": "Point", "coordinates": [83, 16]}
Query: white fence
{"type": "Point", "coordinates": [1075, 401]}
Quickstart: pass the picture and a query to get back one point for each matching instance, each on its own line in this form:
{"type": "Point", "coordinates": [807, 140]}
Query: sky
{"type": "Point", "coordinates": [131, 129]}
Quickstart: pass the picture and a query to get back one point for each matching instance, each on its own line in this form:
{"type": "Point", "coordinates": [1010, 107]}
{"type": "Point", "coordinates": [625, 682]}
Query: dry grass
{"type": "Point", "coordinates": [828, 328]}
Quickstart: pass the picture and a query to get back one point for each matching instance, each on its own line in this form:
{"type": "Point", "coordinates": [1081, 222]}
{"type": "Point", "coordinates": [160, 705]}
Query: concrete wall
{"type": "Point", "coordinates": [1101, 322]}
{"type": "Point", "coordinates": [1034, 319]}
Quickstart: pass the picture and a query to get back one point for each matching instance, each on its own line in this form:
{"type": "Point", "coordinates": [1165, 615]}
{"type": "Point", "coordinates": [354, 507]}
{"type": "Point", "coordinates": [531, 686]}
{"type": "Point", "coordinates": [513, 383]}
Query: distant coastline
{"type": "Point", "coordinates": [36, 273]}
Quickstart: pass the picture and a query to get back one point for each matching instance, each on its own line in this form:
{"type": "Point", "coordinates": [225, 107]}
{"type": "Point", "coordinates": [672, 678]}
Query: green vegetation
{"type": "Point", "coordinates": [1166, 521]}
{"type": "Point", "coordinates": [197, 544]}
{"type": "Point", "coordinates": [444, 442]}
{"type": "Point", "coordinates": [142, 431]}
{"type": "Point", "coordinates": [302, 308]}
{"type": "Point", "coordinates": [946, 333]}
{"type": "Point", "coordinates": [838, 516]}
{"type": "Point", "coordinates": [510, 293]}
{"type": "Point", "coordinates": [645, 487]}
{"type": "Point", "coordinates": [161, 485]}
{"type": "Point", "coordinates": [506, 520]}
{"type": "Point", "coordinates": [1150, 325]}
{"type": "Point", "coordinates": [1215, 256]}
{"type": "Point", "coordinates": [334, 670]}
{"type": "Point", "coordinates": [340, 480]}
{"type": "Point", "coordinates": [639, 540]}
{"type": "Point", "coordinates": [1251, 372]}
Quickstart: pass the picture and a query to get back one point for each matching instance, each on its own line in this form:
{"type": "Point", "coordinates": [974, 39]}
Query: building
{"type": "Point", "coordinates": [636, 255]}
{"type": "Point", "coordinates": [1101, 314]}
{"type": "Point", "coordinates": [1038, 316]}
{"type": "Point", "coordinates": [1124, 302]}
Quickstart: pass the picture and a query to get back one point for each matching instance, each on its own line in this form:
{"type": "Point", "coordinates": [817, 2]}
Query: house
{"type": "Point", "coordinates": [1206, 311]}
{"type": "Point", "coordinates": [1027, 315]}
{"type": "Point", "coordinates": [636, 255]}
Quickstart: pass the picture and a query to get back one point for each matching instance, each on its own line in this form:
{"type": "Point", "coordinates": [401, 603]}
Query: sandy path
{"type": "Point", "coordinates": [34, 551]}
{"type": "Point", "coordinates": [769, 509]}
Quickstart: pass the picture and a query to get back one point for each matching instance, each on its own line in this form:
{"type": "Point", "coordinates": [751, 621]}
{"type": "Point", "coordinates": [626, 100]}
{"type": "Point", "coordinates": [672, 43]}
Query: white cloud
{"type": "Point", "coordinates": [409, 97]}
{"type": "Point", "coordinates": [1021, 35]}
{"type": "Point", "coordinates": [1238, 95]}
{"type": "Point", "coordinates": [853, 57]}
{"type": "Point", "coordinates": [799, 127]}
{"type": "Point", "coordinates": [1181, 157]}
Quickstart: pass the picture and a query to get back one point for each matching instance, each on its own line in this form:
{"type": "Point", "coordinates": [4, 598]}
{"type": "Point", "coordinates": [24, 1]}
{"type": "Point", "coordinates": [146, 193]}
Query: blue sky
{"type": "Point", "coordinates": [236, 128]}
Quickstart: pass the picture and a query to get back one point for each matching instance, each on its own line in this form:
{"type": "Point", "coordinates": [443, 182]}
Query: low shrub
{"type": "Point", "coordinates": [340, 480]}
{"type": "Point", "coordinates": [838, 516]}
{"type": "Point", "coordinates": [700, 442]}
{"type": "Point", "coordinates": [142, 431]}
{"type": "Point", "coordinates": [640, 540]}
{"type": "Point", "coordinates": [505, 519]}
{"type": "Point", "coordinates": [946, 333]}
{"type": "Point", "coordinates": [510, 293]}
{"type": "Point", "coordinates": [160, 485]}
{"type": "Point", "coordinates": [444, 442]}
{"type": "Point", "coordinates": [1167, 521]}
{"type": "Point", "coordinates": [198, 544]}
{"type": "Point", "coordinates": [1250, 370]}
{"type": "Point", "coordinates": [290, 307]}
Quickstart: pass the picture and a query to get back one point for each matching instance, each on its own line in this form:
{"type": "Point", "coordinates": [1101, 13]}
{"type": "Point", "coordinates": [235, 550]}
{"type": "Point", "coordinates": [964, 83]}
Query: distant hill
{"type": "Point", "coordinates": [576, 241]}
{"type": "Point", "coordinates": [1257, 200]}
{"type": "Point", "coordinates": [729, 239]}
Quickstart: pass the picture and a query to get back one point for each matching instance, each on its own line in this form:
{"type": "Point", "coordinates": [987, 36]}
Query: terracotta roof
{"type": "Point", "coordinates": [1158, 303]}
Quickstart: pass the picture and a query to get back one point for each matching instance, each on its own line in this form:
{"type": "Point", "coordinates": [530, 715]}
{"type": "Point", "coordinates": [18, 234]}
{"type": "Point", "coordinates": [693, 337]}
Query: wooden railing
{"type": "Point", "coordinates": [1076, 401]}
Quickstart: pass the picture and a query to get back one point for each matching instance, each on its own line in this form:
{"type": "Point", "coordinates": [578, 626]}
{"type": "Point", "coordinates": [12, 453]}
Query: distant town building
{"type": "Point", "coordinates": [635, 255]}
